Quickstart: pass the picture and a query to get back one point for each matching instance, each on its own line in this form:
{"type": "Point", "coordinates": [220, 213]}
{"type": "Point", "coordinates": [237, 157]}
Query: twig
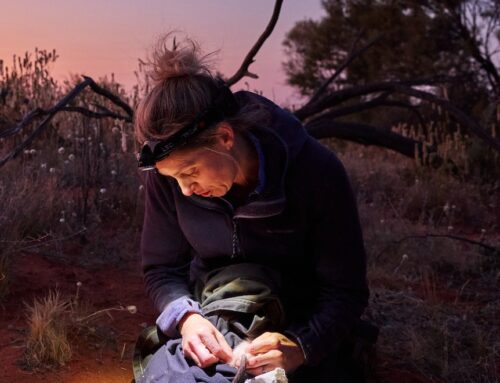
{"type": "Point", "coordinates": [492, 249]}
{"type": "Point", "coordinates": [53, 240]}
{"type": "Point", "coordinates": [123, 351]}
{"type": "Point", "coordinates": [27, 241]}
{"type": "Point", "coordinates": [249, 59]}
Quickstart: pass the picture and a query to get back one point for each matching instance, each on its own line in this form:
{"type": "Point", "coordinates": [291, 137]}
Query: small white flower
{"type": "Point", "coordinates": [141, 188]}
{"type": "Point", "coordinates": [124, 142]}
{"type": "Point", "coordinates": [71, 157]}
{"type": "Point", "coordinates": [32, 151]}
{"type": "Point", "coordinates": [102, 190]}
{"type": "Point", "coordinates": [382, 221]}
{"type": "Point", "coordinates": [62, 220]}
{"type": "Point", "coordinates": [61, 150]}
{"type": "Point", "coordinates": [43, 166]}
{"type": "Point", "coordinates": [78, 284]}
{"type": "Point", "coordinates": [132, 309]}
{"type": "Point", "coordinates": [446, 207]}
{"type": "Point", "coordinates": [404, 257]}
{"type": "Point", "coordinates": [483, 231]}
{"type": "Point", "coordinates": [114, 172]}
{"type": "Point", "coordinates": [52, 170]}
{"type": "Point", "coordinates": [26, 151]}
{"type": "Point", "coordinates": [450, 228]}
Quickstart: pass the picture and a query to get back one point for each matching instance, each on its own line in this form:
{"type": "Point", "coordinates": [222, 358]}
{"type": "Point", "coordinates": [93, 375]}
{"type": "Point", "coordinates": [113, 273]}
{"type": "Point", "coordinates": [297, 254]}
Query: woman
{"type": "Point", "coordinates": [240, 200]}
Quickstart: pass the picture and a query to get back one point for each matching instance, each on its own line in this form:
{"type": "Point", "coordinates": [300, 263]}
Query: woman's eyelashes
{"type": "Point", "coordinates": [190, 173]}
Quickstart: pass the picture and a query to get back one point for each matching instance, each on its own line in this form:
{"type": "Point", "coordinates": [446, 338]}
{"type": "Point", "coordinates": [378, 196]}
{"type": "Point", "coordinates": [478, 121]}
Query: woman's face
{"type": "Point", "coordinates": [207, 171]}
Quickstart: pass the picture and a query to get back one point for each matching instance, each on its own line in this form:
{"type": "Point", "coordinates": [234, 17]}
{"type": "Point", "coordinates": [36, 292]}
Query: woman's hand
{"type": "Point", "coordinates": [272, 350]}
{"type": "Point", "coordinates": [202, 342]}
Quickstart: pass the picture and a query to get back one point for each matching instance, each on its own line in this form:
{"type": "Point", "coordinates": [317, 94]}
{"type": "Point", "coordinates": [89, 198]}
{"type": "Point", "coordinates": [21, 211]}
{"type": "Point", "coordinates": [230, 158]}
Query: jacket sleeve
{"type": "Point", "coordinates": [339, 265]}
{"type": "Point", "coordinates": [165, 255]}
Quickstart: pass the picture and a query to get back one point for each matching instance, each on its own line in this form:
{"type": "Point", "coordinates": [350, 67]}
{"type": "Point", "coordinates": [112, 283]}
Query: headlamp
{"type": "Point", "coordinates": [224, 105]}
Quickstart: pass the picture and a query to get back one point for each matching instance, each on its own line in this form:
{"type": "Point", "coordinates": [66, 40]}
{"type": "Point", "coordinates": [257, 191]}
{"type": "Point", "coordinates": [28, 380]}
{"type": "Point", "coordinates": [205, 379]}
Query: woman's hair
{"type": "Point", "coordinates": [183, 86]}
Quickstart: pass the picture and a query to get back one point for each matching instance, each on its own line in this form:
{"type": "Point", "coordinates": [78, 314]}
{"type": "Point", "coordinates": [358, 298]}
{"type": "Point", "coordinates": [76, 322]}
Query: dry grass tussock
{"type": "Point", "coordinates": [56, 321]}
{"type": "Point", "coordinates": [48, 343]}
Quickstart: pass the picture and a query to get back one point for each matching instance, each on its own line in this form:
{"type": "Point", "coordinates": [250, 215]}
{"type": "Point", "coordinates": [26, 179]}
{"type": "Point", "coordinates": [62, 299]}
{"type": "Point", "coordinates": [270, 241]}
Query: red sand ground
{"type": "Point", "coordinates": [34, 274]}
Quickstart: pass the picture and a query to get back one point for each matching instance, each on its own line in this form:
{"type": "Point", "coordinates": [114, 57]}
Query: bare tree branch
{"type": "Point", "coordinates": [249, 59]}
{"type": "Point", "coordinates": [366, 135]}
{"type": "Point", "coordinates": [334, 98]}
{"type": "Point", "coordinates": [61, 106]}
{"type": "Point", "coordinates": [90, 113]}
{"type": "Point", "coordinates": [380, 101]}
{"type": "Point", "coordinates": [110, 96]}
{"type": "Point", "coordinates": [350, 58]}
{"type": "Point", "coordinates": [13, 129]}
{"type": "Point", "coordinates": [403, 87]}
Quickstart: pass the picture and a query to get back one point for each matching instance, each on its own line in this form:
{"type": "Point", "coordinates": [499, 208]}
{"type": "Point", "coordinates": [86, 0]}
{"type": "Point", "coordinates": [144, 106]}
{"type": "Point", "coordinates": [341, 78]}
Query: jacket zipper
{"type": "Point", "coordinates": [236, 242]}
{"type": "Point", "coordinates": [236, 248]}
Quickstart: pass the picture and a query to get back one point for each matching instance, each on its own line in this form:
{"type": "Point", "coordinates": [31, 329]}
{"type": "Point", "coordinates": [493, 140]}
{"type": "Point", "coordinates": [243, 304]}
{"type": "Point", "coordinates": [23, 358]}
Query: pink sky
{"type": "Point", "coordinates": [99, 37]}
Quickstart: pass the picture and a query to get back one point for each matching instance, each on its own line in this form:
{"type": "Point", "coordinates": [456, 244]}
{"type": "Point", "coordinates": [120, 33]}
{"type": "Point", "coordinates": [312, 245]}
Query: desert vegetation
{"type": "Point", "coordinates": [427, 184]}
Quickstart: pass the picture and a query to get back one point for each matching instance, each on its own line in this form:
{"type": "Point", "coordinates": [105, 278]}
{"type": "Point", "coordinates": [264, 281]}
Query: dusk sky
{"type": "Point", "coordinates": [99, 37]}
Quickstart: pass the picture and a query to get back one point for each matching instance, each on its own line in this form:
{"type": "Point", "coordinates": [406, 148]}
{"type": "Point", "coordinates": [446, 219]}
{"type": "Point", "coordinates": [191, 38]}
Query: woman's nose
{"type": "Point", "coordinates": [186, 188]}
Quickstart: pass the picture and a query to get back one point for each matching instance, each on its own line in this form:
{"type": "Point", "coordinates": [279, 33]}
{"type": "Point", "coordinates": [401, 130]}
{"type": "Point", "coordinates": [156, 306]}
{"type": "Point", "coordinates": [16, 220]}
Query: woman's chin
{"type": "Point", "coordinates": [218, 194]}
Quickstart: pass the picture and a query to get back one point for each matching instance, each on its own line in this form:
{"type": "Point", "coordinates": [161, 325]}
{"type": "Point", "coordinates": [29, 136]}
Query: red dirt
{"type": "Point", "coordinates": [32, 276]}
{"type": "Point", "coordinates": [106, 286]}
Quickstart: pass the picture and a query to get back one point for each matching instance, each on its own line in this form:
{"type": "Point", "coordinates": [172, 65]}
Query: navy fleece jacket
{"type": "Point", "coordinates": [304, 224]}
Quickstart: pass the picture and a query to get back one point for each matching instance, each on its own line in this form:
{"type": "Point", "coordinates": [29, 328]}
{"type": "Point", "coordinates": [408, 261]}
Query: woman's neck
{"type": "Point", "coordinates": [247, 156]}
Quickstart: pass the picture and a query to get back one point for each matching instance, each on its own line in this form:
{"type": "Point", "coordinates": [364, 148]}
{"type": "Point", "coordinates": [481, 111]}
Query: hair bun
{"type": "Point", "coordinates": [171, 58]}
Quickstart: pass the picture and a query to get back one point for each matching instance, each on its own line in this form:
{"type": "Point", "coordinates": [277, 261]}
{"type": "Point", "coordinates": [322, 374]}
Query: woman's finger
{"type": "Point", "coordinates": [205, 357]}
{"type": "Point", "coordinates": [227, 352]}
{"type": "Point", "coordinates": [264, 343]}
{"type": "Point", "coordinates": [190, 354]}
{"type": "Point", "coordinates": [274, 357]}
{"type": "Point", "coordinates": [212, 343]}
{"type": "Point", "coordinates": [261, 369]}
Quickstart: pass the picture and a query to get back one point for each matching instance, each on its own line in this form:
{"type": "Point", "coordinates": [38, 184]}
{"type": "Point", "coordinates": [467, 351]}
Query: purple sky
{"type": "Point", "coordinates": [99, 37]}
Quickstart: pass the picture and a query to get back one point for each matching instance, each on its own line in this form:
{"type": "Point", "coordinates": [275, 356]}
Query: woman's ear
{"type": "Point", "coordinates": [225, 134]}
